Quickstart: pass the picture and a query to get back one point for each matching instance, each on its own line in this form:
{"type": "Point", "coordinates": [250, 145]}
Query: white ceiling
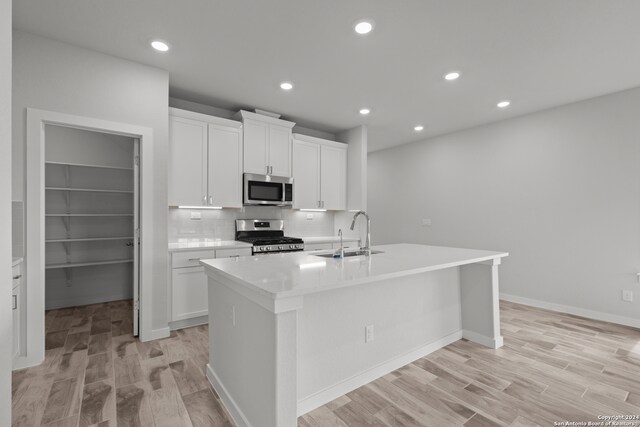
{"type": "Point", "coordinates": [235, 53]}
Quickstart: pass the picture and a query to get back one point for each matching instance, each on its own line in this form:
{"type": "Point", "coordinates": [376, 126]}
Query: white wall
{"type": "Point", "coordinates": [55, 76]}
{"type": "Point", "coordinates": [6, 335]}
{"type": "Point", "coordinates": [558, 189]}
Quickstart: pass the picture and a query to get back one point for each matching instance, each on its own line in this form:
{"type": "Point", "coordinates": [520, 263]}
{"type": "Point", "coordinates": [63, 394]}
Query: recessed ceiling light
{"type": "Point", "coordinates": [363, 26]}
{"type": "Point", "coordinates": [418, 128]}
{"type": "Point", "coordinates": [364, 111]}
{"type": "Point", "coordinates": [452, 75]}
{"type": "Point", "coordinates": [159, 45]}
{"type": "Point", "coordinates": [286, 86]}
{"type": "Point", "coordinates": [503, 104]}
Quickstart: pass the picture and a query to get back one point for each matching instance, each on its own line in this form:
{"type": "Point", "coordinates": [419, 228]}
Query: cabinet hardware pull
{"type": "Point", "coordinates": [234, 256]}
{"type": "Point", "coordinates": [210, 200]}
{"type": "Point", "coordinates": [17, 277]}
{"type": "Point", "coordinates": [204, 199]}
{"type": "Point", "coordinates": [15, 302]}
{"type": "Point", "coordinates": [129, 243]}
{"type": "Point", "coordinates": [195, 259]}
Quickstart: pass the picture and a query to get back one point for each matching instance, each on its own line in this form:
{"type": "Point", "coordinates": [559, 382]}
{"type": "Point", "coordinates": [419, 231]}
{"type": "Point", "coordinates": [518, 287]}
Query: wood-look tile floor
{"type": "Point", "coordinates": [553, 367]}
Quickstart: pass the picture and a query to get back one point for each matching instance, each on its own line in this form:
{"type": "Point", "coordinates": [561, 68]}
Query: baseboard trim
{"type": "Point", "coordinates": [187, 323]}
{"type": "Point", "coordinates": [322, 397]}
{"type": "Point", "coordinates": [230, 405]}
{"type": "Point", "coordinates": [156, 334]}
{"type": "Point", "coordinates": [576, 311]}
{"type": "Point", "coordinates": [483, 339]}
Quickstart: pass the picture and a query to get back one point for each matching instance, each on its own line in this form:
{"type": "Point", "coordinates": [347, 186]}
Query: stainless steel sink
{"type": "Point", "coordinates": [350, 254]}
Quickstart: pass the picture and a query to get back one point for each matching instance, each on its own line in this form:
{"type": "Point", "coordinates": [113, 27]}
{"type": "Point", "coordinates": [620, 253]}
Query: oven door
{"type": "Point", "coordinates": [267, 190]}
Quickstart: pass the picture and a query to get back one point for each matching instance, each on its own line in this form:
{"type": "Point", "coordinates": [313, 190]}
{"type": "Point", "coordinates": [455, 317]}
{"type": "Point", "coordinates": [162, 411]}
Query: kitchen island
{"type": "Point", "coordinates": [291, 332]}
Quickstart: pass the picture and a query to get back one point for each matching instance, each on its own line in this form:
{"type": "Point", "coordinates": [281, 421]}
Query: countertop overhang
{"type": "Point", "coordinates": [280, 276]}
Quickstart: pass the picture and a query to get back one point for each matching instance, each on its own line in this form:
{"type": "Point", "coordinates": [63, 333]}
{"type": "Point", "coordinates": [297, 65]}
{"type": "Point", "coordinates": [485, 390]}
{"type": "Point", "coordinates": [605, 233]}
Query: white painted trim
{"type": "Point", "coordinates": [322, 397]}
{"type": "Point", "coordinates": [576, 311]}
{"type": "Point", "coordinates": [185, 114]}
{"type": "Point", "coordinates": [157, 334]}
{"type": "Point", "coordinates": [230, 405]}
{"type": "Point", "coordinates": [316, 140]}
{"type": "Point", "coordinates": [187, 323]}
{"type": "Point", "coordinates": [483, 339]}
{"type": "Point", "coordinates": [34, 224]}
{"type": "Point", "coordinates": [248, 115]}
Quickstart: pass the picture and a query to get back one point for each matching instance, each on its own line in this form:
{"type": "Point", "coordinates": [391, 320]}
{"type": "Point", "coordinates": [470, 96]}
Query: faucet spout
{"type": "Point", "coordinates": [367, 244]}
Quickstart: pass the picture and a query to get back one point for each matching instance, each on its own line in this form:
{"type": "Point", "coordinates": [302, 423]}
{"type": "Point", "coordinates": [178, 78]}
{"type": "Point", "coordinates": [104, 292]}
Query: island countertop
{"type": "Point", "coordinates": [300, 273]}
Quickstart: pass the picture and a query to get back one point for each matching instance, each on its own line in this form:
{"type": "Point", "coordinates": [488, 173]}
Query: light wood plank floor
{"type": "Point", "coordinates": [553, 367]}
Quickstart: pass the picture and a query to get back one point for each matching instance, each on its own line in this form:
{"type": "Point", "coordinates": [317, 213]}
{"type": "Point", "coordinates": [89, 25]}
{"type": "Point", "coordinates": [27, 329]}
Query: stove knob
{"type": "Point", "coordinates": [281, 247]}
{"type": "Point", "coordinates": [267, 248]}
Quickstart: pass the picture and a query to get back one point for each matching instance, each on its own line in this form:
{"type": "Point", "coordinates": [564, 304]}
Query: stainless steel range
{"type": "Point", "coordinates": [267, 236]}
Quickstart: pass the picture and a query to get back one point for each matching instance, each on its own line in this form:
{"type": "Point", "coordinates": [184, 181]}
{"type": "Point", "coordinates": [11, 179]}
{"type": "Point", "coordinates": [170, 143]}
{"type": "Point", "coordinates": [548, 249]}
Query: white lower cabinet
{"type": "Point", "coordinates": [189, 293]}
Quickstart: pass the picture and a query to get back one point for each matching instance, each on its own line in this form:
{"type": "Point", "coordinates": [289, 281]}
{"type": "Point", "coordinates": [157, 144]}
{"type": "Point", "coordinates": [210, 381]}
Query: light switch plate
{"type": "Point", "coordinates": [627, 296]}
{"type": "Point", "coordinates": [196, 215]}
{"type": "Point", "coordinates": [309, 216]}
{"type": "Point", "coordinates": [426, 222]}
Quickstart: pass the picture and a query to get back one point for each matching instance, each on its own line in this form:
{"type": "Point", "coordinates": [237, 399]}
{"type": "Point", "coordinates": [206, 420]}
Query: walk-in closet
{"type": "Point", "coordinates": [91, 218]}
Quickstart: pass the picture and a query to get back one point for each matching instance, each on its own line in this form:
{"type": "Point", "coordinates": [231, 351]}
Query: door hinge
{"type": "Point", "coordinates": [136, 160]}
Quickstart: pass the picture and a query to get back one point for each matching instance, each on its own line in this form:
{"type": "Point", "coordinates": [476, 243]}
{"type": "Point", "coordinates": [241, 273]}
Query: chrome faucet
{"type": "Point", "coordinates": [339, 253]}
{"type": "Point", "coordinates": [366, 249]}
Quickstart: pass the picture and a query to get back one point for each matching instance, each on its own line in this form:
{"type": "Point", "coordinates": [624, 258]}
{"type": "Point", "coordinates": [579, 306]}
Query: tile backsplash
{"type": "Point", "coordinates": [220, 224]}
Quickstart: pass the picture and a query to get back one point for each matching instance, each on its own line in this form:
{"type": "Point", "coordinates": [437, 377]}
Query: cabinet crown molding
{"type": "Point", "coordinates": [244, 115]}
{"type": "Point", "coordinates": [307, 138]}
{"type": "Point", "coordinates": [185, 114]}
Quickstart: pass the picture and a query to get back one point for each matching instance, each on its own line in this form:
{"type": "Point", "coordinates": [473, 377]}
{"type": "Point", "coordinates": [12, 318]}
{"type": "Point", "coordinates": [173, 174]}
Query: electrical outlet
{"type": "Point", "coordinates": [196, 215]}
{"type": "Point", "coordinates": [309, 216]}
{"type": "Point", "coordinates": [368, 334]}
{"type": "Point", "coordinates": [426, 222]}
{"type": "Point", "coordinates": [627, 296]}
{"type": "Point", "coordinates": [233, 315]}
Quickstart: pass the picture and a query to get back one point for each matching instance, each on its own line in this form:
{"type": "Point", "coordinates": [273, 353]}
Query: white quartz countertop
{"type": "Point", "coordinates": [328, 239]}
{"type": "Point", "coordinates": [193, 244]}
{"type": "Point", "coordinates": [299, 273]}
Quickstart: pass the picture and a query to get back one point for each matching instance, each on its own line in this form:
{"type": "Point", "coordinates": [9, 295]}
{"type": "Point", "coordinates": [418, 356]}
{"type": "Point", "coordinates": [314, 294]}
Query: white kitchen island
{"type": "Point", "coordinates": [291, 332]}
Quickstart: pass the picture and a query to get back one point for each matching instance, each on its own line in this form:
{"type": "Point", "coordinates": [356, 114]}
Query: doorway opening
{"type": "Point", "coordinates": [91, 220]}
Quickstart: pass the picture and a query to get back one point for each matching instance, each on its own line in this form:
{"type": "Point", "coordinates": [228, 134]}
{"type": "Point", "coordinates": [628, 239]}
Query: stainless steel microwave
{"type": "Point", "coordinates": [267, 190]}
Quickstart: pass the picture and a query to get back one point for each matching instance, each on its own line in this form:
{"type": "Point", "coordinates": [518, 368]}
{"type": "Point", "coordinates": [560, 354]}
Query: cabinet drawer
{"type": "Point", "coordinates": [191, 258]}
{"type": "Point", "coordinates": [346, 245]}
{"type": "Point", "coordinates": [228, 253]}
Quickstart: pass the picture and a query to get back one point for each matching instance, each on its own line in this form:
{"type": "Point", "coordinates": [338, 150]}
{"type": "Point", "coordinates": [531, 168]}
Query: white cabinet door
{"type": "Point", "coordinates": [333, 173]}
{"type": "Point", "coordinates": [256, 146]}
{"type": "Point", "coordinates": [306, 175]}
{"type": "Point", "coordinates": [280, 150]}
{"type": "Point", "coordinates": [187, 162]}
{"type": "Point", "coordinates": [225, 166]}
{"type": "Point", "coordinates": [16, 318]}
{"type": "Point", "coordinates": [190, 294]}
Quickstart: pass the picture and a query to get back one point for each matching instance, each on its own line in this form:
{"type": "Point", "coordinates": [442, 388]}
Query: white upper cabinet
{"type": "Point", "coordinates": [306, 174]}
{"type": "Point", "coordinates": [333, 176]}
{"type": "Point", "coordinates": [205, 160]}
{"type": "Point", "coordinates": [187, 162]}
{"type": "Point", "coordinates": [267, 144]}
{"type": "Point", "coordinates": [280, 140]}
{"type": "Point", "coordinates": [256, 147]}
{"type": "Point", "coordinates": [225, 166]}
{"type": "Point", "coordinates": [320, 173]}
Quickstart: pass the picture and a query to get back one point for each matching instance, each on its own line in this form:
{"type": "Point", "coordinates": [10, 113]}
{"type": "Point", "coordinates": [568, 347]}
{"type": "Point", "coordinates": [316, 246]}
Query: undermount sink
{"type": "Point", "coordinates": [350, 254]}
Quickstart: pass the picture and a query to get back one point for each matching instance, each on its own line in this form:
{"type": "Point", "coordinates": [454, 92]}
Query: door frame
{"type": "Point", "coordinates": [33, 351]}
